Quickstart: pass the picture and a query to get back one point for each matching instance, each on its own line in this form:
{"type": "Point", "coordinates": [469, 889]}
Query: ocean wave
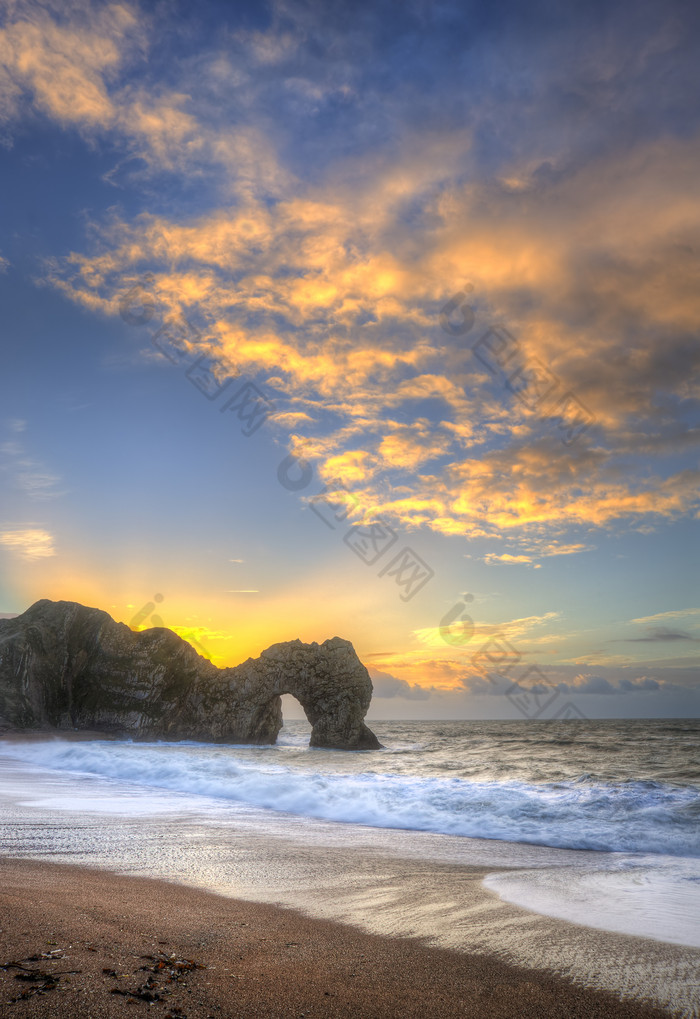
{"type": "Point", "coordinates": [629, 816]}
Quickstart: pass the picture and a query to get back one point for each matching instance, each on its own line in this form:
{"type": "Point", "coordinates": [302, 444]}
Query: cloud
{"type": "Point", "coordinates": [67, 62]}
{"type": "Point", "coordinates": [586, 684]}
{"type": "Point", "coordinates": [350, 467]}
{"type": "Point", "coordinates": [386, 685]}
{"type": "Point", "coordinates": [674, 614]}
{"type": "Point", "coordinates": [592, 685]}
{"type": "Point", "coordinates": [30, 543]}
{"type": "Point", "coordinates": [632, 686]}
{"type": "Point", "coordinates": [509, 560]}
{"type": "Point", "coordinates": [408, 446]}
{"type": "Point", "coordinates": [64, 67]}
{"type": "Point", "coordinates": [189, 631]}
{"type": "Point", "coordinates": [659, 633]}
{"type": "Point", "coordinates": [442, 674]}
{"type": "Point", "coordinates": [25, 473]}
{"type": "Point", "coordinates": [540, 685]}
{"type": "Point", "coordinates": [541, 549]}
{"type": "Point", "coordinates": [512, 630]}
{"type": "Point", "coordinates": [555, 548]}
{"type": "Point", "coordinates": [581, 233]}
{"type": "Point", "coordinates": [530, 480]}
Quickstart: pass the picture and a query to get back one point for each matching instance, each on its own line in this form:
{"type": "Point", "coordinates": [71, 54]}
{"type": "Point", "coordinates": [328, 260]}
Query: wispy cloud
{"type": "Point", "coordinates": [658, 633]}
{"type": "Point", "coordinates": [507, 559]}
{"type": "Point", "coordinates": [674, 614]}
{"type": "Point", "coordinates": [512, 629]}
{"type": "Point", "coordinates": [24, 472]}
{"type": "Point", "coordinates": [30, 543]}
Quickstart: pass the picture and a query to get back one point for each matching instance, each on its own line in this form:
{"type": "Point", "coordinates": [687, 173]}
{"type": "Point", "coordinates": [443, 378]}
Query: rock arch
{"type": "Point", "coordinates": [66, 666]}
{"type": "Point", "coordinates": [329, 681]}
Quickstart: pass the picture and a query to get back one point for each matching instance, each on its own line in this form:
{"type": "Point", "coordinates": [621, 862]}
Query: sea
{"type": "Point", "coordinates": [572, 845]}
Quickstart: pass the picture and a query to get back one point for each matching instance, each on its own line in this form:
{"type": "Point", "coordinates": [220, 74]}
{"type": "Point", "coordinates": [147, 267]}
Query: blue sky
{"type": "Point", "coordinates": [291, 195]}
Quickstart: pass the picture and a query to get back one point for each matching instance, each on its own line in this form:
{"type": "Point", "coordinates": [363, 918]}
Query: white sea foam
{"type": "Point", "coordinates": [657, 899]}
{"type": "Point", "coordinates": [632, 816]}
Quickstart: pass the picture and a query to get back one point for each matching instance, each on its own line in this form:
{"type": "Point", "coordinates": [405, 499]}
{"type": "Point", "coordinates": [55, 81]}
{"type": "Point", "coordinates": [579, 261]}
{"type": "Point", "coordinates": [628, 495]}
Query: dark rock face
{"type": "Point", "coordinates": [65, 666]}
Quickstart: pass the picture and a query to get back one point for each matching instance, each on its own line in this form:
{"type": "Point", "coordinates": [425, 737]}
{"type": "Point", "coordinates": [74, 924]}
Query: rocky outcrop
{"type": "Point", "coordinates": [65, 666]}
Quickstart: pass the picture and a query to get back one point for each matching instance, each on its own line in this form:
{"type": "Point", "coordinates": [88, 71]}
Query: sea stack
{"type": "Point", "coordinates": [64, 666]}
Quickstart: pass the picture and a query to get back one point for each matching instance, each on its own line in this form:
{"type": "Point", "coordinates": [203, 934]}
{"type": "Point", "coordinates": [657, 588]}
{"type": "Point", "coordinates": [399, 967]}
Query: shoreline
{"type": "Point", "coordinates": [261, 960]}
{"type": "Point", "coordinates": [413, 887]}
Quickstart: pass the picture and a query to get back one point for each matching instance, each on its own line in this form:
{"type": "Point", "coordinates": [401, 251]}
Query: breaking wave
{"type": "Point", "coordinates": [624, 816]}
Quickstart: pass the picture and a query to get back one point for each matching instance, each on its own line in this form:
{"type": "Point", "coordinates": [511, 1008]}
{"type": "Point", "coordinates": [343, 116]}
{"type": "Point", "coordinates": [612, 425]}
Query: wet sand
{"type": "Point", "coordinates": [87, 943]}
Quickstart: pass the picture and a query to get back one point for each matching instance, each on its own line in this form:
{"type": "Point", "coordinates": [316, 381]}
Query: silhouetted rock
{"type": "Point", "coordinates": [65, 666]}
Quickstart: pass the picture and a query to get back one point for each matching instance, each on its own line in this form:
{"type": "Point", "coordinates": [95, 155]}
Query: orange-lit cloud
{"type": "Point", "coordinates": [513, 629]}
{"type": "Point", "coordinates": [676, 614]}
{"type": "Point", "coordinates": [328, 295]}
{"type": "Point", "coordinates": [508, 559]}
{"type": "Point", "coordinates": [64, 66]}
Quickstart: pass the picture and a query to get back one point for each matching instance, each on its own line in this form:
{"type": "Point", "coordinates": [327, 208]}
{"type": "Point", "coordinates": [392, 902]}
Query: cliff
{"type": "Point", "coordinates": [65, 666]}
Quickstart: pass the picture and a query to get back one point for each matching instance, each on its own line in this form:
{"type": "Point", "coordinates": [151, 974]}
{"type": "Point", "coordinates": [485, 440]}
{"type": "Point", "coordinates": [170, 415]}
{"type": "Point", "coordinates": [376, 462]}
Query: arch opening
{"type": "Point", "coordinates": [295, 723]}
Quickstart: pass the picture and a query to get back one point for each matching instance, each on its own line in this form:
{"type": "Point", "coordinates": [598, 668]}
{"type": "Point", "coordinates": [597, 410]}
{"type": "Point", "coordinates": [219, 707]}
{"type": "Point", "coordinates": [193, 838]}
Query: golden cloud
{"type": "Point", "coordinates": [513, 629]}
{"type": "Point", "coordinates": [329, 296]}
{"type": "Point", "coordinates": [29, 543]}
{"type": "Point", "coordinates": [64, 66]}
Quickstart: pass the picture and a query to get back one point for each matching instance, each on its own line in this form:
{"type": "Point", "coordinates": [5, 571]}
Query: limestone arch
{"type": "Point", "coordinates": [329, 681]}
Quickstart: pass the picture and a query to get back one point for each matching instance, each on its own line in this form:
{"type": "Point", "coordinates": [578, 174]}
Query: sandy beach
{"type": "Point", "coordinates": [79, 942]}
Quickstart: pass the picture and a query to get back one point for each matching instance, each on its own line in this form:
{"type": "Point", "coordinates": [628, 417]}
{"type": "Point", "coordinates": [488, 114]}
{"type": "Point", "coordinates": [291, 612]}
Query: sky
{"type": "Point", "coordinates": [377, 320]}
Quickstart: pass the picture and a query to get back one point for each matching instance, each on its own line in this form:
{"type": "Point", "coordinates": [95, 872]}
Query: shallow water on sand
{"type": "Point", "coordinates": [458, 891]}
